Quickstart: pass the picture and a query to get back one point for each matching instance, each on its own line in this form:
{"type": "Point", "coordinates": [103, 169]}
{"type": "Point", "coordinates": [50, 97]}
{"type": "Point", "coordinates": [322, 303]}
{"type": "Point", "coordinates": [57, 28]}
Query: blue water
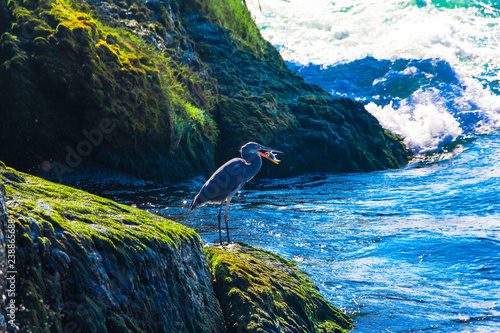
{"type": "Point", "coordinates": [423, 100]}
{"type": "Point", "coordinates": [410, 250]}
{"type": "Point", "coordinates": [405, 250]}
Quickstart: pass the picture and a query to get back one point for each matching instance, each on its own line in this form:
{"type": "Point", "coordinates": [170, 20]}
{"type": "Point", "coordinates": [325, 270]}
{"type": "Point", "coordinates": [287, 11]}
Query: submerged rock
{"type": "Point", "coordinates": [262, 292]}
{"type": "Point", "coordinates": [88, 264]}
{"type": "Point", "coordinates": [165, 90]}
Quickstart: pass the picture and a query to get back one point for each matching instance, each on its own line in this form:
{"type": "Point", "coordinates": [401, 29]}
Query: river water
{"type": "Point", "coordinates": [410, 250]}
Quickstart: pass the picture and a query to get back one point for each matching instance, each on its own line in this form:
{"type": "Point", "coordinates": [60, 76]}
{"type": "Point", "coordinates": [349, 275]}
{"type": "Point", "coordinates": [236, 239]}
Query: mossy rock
{"type": "Point", "coordinates": [88, 264]}
{"type": "Point", "coordinates": [263, 292]}
{"type": "Point", "coordinates": [261, 100]}
{"type": "Point", "coordinates": [65, 68]}
{"type": "Point", "coordinates": [183, 84]}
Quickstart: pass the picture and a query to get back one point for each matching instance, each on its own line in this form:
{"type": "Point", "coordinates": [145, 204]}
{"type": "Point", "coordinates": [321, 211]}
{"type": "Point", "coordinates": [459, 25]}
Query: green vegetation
{"type": "Point", "coordinates": [87, 216]}
{"type": "Point", "coordinates": [100, 69]}
{"type": "Point", "coordinates": [235, 16]}
{"type": "Point", "coordinates": [262, 292]}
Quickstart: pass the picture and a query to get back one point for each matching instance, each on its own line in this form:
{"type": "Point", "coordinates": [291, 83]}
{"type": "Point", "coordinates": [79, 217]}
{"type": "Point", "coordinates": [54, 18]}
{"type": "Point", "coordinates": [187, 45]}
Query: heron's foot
{"type": "Point", "coordinates": [225, 243]}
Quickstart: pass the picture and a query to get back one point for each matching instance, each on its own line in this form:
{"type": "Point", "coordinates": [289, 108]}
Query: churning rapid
{"type": "Point", "coordinates": [408, 250]}
{"type": "Point", "coordinates": [428, 70]}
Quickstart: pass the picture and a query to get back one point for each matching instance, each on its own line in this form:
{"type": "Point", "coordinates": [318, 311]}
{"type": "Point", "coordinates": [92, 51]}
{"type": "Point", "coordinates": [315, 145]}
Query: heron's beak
{"type": "Point", "coordinates": [269, 154]}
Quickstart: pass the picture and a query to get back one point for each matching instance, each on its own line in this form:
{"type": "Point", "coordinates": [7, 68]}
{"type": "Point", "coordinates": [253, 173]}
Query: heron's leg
{"type": "Point", "coordinates": [218, 218]}
{"type": "Point", "coordinates": [225, 219]}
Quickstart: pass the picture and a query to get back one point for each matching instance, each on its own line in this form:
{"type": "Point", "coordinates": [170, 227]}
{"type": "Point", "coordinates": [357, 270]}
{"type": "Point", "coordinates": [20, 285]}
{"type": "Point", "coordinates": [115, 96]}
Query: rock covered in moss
{"type": "Point", "coordinates": [262, 100]}
{"type": "Point", "coordinates": [164, 90]}
{"type": "Point", "coordinates": [84, 86]}
{"type": "Point", "coordinates": [262, 292]}
{"type": "Point", "coordinates": [88, 264]}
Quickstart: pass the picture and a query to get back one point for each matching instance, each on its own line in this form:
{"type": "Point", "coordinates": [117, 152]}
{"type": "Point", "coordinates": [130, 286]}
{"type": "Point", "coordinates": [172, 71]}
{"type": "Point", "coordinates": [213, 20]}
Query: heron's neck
{"type": "Point", "coordinates": [254, 163]}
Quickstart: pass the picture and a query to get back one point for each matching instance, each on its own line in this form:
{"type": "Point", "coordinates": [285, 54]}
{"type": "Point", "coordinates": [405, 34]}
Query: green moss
{"type": "Point", "coordinates": [134, 54]}
{"type": "Point", "coordinates": [184, 85]}
{"type": "Point", "coordinates": [89, 263]}
{"type": "Point", "coordinates": [262, 292]}
{"type": "Point", "coordinates": [235, 16]}
{"type": "Point", "coordinates": [101, 70]}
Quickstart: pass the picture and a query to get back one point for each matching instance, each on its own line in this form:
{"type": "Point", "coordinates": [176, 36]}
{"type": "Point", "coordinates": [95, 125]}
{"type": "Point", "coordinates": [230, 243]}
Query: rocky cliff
{"type": "Point", "coordinates": [164, 90]}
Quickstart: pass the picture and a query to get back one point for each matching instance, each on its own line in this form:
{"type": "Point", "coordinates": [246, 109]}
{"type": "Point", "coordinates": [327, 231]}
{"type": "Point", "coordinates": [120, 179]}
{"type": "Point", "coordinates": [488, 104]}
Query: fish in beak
{"type": "Point", "coordinates": [269, 153]}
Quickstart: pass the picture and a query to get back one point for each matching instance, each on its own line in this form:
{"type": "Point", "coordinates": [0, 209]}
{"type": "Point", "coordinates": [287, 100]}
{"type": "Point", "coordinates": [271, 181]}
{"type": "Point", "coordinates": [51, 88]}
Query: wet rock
{"type": "Point", "coordinates": [262, 100]}
{"type": "Point", "coordinates": [88, 264]}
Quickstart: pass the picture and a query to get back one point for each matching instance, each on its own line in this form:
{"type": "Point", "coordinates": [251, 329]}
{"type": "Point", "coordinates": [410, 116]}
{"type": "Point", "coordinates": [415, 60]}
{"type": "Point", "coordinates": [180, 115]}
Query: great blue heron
{"type": "Point", "coordinates": [230, 177]}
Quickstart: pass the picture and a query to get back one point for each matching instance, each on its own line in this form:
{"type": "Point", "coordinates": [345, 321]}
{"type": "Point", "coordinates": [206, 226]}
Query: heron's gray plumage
{"type": "Point", "coordinates": [230, 178]}
{"type": "Point", "coordinates": [226, 181]}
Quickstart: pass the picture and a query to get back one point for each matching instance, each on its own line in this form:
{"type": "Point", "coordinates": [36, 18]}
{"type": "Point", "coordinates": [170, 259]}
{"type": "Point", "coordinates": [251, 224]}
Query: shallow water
{"type": "Point", "coordinates": [404, 250]}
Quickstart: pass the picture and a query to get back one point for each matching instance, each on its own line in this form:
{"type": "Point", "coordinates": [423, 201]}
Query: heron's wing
{"type": "Point", "coordinates": [228, 179]}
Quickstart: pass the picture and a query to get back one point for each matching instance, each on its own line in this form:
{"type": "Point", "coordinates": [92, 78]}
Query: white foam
{"type": "Point", "coordinates": [325, 32]}
{"type": "Point", "coordinates": [487, 102]}
{"type": "Point", "coordinates": [426, 123]}
{"type": "Point", "coordinates": [425, 126]}
{"type": "Point", "coordinates": [330, 33]}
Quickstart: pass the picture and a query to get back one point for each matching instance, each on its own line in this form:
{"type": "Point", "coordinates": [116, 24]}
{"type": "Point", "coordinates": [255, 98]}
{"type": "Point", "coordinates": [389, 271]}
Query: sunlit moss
{"type": "Point", "coordinates": [235, 16]}
{"type": "Point", "coordinates": [64, 232]}
{"type": "Point", "coordinates": [116, 72]}
{"type": "Point", "coordinates": [88, 215]}
{"type": "Point", "coordinates": [165, 73]}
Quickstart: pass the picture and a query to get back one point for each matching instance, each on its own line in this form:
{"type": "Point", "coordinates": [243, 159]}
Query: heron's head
{"type": "Point", "coordinates": [258, 149]}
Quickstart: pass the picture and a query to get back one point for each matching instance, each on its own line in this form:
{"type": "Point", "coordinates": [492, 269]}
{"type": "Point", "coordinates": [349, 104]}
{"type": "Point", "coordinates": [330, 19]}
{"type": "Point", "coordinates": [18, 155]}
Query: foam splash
{"type": "Point", "coordinates": [326, 32]}
{"type": "Point", "coordinates": [424, 127]}
{"type": "Point", "coordinates": [436, 115]}
{"type": "Point", "coordinates": [428, 70]}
